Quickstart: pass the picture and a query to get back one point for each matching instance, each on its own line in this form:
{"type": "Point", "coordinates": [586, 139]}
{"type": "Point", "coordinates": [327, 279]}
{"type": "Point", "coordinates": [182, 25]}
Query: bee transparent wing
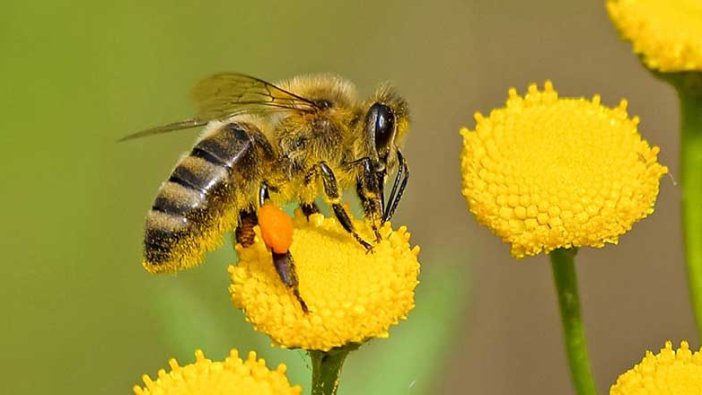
{"type": "Point", "coordinates": [222, 95]}
{"type": "Point", "coordinates": [185, 124]}
{"type": "Point", "coordinates": [225, 95]}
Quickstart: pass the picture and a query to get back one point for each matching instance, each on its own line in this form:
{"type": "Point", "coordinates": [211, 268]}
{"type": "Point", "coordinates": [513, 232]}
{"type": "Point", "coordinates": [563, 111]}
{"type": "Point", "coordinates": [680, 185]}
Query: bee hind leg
{"type": "Point", "coordinates": [285, 266]}
{"type": "Point", "coordinates": [283, 262]}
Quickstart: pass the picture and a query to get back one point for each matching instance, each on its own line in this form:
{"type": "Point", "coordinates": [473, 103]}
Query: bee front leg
{"type": "Point", "coordinates": [369, 187]}
{"type": "Point", "coordinates": [331, 191]}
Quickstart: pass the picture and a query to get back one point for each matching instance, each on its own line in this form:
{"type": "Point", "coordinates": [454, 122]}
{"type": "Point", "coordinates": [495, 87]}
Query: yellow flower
{"type": "Point", "coordinates": [546, 172]}
{"type": "Point", "coordinates": [352, 295]}
{"type": "Point", "coordinates": [669, 372]}
{"type": "Point", "coordinates": [667, 33]}
{"type": "Point", "coordinates": [229, 377]}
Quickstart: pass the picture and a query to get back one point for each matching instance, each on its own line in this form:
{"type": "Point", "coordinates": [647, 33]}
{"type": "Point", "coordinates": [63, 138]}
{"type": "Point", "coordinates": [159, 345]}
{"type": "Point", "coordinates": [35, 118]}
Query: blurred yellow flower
{"type": "Point", "coordinates": [546, 172]}
{"type": "Point", "coordinates": [352, 295]}
{"type": "Point", "coordinates": [669, 372]}
{"type": "Point", "coordinates": [667, 33]}
{"type": "Point", "coordinates": [229, 377]}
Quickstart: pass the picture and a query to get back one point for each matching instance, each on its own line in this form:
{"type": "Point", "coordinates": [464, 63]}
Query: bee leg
{"type": "Point", "coordinates": [343, 217]}
{"type": "Point", "coordinates": [398, 187]}
{"type": "Point", "coordinates": [309, 209]}
{"type": "Point", "coordinates": [285, 266]}
{"type": "Point", "coordinates": [244, 233]}
{"type": "Point", "coordinates": [331, 190]}
{"type": "Point", "coordinates": [283, 262]}
{"type": "Point", "coordinates": [263, 194]}
{"type": "Point", "coordinates": [369, 187]}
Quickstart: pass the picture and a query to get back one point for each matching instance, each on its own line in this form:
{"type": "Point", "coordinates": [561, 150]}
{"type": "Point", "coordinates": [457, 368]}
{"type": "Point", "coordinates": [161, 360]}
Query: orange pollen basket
{"type": "Point", "coordinates": [276, 228]}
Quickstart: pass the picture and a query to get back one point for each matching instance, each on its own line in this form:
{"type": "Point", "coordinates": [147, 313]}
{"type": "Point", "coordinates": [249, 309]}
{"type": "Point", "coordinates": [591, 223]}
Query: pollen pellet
{"type": "Point", "coordinates": [276, 228]}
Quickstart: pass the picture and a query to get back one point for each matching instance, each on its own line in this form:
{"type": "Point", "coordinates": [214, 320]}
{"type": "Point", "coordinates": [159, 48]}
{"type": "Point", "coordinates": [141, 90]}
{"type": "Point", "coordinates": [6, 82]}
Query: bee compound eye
{"type": "Point", "coordinates": [382, 123]}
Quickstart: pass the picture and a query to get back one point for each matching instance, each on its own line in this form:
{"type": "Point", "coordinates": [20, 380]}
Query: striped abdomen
{"type": "Point", "coordinates": [195, 206]}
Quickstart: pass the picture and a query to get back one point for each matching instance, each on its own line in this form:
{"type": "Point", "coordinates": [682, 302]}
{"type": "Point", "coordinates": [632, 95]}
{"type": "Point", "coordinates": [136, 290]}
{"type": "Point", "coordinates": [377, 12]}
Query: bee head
{"type": "Point", "coordinates": [386, 124]}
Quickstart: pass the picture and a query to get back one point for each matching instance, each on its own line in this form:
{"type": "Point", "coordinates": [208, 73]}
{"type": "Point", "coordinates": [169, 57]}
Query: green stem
{"type": "Point", "coordinates": [690, 94]}
{"type": "Point", "coordinates": [565, 278]}
{"type": "Point", "coordinates": [326, 369]}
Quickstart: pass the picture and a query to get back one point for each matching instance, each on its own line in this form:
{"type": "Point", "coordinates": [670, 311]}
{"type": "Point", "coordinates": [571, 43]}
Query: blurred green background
{"type": "Point", "coordinates": [79, 315]}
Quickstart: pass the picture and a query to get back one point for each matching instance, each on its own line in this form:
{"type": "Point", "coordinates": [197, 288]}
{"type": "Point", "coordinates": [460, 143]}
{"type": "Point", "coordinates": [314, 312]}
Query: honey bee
{"type": "Point", "coordinates": [288, 142]}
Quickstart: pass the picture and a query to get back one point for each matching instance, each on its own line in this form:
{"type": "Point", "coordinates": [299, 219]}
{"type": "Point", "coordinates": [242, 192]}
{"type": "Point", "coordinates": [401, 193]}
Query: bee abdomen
{"type": "Point", "coordinates": [189, 188]}
{"type": "Point", "coordinates": [225, 147]}
{"type": "Point", "coordinates": [178, 197]}
{"type": "Point", "coordinates": [183, 205]}
{"type": "Point", "coordinates": [191, 209]}
{"type": "Point", "coordinates": [163, 232]}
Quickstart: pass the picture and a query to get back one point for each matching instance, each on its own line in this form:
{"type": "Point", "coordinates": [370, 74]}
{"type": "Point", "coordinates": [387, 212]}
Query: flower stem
{"type": "Point", "coordinates": [326, 369]}
{"type": "Point", "coordinates": [690, 94]}
{"type": "Point", "coordinates": [565, 278]}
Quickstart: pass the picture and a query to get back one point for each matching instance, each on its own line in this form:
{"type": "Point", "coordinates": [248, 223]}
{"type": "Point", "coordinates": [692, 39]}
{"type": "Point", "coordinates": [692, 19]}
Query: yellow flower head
{"type": "Point", "coordinates": [229, 377]}
{"type": "Point", "coordinates": [669, 372]}
{"type": "Point", "coordinates": [546, 172]}
{"type": "Point", "coordinates": [352, 295]}
{"type": "Point", "coordinates": [667, 33]}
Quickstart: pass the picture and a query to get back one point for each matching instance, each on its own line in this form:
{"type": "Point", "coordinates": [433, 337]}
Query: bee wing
{"type": "Point", "coordinates": [224, 95]}
{"type": "Point", "coordinates": [220, 95]}
{"type": "Point", "coordinates": [186, 124]}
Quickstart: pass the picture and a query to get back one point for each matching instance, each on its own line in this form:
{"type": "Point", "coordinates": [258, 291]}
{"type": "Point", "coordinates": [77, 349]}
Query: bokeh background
{"type": "Point", "coordinates": [78, 313]}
